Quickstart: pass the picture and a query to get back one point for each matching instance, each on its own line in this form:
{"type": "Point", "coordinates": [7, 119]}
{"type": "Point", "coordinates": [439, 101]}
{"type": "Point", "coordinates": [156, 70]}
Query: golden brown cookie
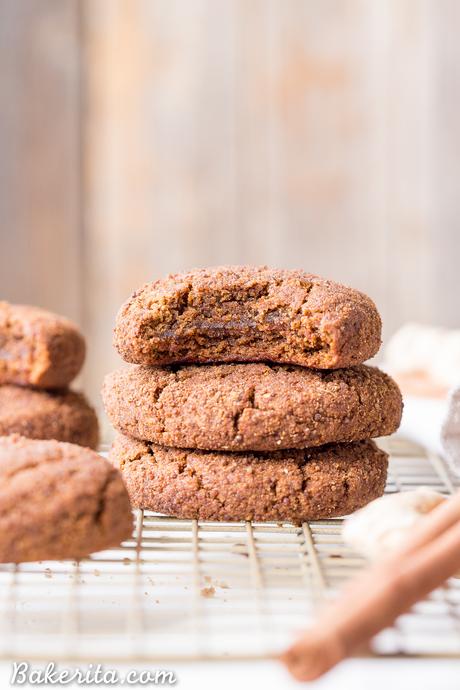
{"type": "Point", "coordinates": [259, 407]}
{"type": "Point", "coordinates": [38, 348]}
{"type": "Point", "coordinates": [62, 415]}
{"type": "Point", "coordinates": [293, 486]}
{"type": "Point", "coordinates": [248, 314]}
{"type": "Point", "coordinates": [58, 501]}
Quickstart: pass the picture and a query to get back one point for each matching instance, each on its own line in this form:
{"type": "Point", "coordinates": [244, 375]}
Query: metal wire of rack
{"type": "Point", "coordinates": [183, 590]}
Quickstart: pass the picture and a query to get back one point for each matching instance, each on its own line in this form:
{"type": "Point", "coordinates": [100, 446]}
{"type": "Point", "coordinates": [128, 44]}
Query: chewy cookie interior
{"type": "Point", "coordinates": [248, 314]}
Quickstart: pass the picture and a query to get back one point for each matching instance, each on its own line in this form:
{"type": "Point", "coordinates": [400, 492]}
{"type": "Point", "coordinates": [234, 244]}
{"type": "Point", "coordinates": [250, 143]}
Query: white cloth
{"type": "Point", "coordinates": [450, 431]}
{"type": "Point", "coordinates": [419, 348]}
{"type": "Point", "coordinates": [435, 425]}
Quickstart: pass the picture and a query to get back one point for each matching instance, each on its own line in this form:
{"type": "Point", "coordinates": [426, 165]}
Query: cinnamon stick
{"type": "Point", "coordinates": [374, 599]}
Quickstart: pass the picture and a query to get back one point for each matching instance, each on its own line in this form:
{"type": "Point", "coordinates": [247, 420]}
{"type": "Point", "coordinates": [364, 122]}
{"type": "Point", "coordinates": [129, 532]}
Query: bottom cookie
{"type": "Point", "coordinates": [61, 415]}
{"type": "Point", "coordinates": [297, 485]}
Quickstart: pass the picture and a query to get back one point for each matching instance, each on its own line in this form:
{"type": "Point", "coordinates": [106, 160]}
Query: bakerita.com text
{"type": "Point", "coordinates": [93, 674]}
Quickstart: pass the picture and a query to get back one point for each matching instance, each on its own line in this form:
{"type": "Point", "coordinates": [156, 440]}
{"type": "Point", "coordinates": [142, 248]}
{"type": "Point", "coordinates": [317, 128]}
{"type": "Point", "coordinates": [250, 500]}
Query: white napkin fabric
{"type": "Point", "coordinates": [435, 425]}
{"type": "Point", "coordinates": [450, 431]}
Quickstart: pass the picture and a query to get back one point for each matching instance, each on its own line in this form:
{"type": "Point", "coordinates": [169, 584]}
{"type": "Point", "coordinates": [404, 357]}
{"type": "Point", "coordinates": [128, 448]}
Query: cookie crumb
{"type": "Point", "coordinates": [208, 592]}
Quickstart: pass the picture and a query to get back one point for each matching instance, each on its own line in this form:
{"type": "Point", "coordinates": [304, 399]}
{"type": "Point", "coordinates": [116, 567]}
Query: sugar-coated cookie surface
{"type": "Point", "coordinates": [38, 348]}
{"type": "Point", "coordinates": [251, 406]}
{"type": "Point", "coordinates": [292, 486]}
{"type": "Point", "coordinates": [60, 415]}
{"type": "Point", "coordinates": [244, 313]}
{"type": "Point", "coordinates": [58, 501]}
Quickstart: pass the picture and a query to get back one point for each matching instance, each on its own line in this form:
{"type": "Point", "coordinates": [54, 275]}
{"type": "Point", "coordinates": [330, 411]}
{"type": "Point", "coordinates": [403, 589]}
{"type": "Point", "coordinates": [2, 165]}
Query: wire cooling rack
{"type": "Point", "coordinates": [182, 589]}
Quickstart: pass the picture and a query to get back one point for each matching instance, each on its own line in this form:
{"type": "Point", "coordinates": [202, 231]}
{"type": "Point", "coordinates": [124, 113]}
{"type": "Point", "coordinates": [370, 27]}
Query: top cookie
{"type": "Point", "coordinates": [38, 348]}
{"type": "Point", "coordinates": [248, 314]}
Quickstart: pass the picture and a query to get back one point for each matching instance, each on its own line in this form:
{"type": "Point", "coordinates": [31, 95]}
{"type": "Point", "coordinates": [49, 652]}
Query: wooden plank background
{"type": "Point", "coordinates": [40, 202]}
{"type": "Point", "coordinates": [140, 137]}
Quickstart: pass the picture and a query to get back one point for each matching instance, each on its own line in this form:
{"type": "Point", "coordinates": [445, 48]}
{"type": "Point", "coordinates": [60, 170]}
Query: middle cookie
{"type": "Point", "coordinates": [251, 406]}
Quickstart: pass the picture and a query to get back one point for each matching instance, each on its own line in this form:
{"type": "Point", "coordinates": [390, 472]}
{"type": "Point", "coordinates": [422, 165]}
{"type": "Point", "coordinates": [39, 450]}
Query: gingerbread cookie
{"type": "Point", "coordinates": [38, 348]}
{"type": "Point", "coordinates": [294, 486]}
{"type": "Point", "coordinates": [58, 501]}
{"type": "Point", "coordinates": [248, 314]}
{"type": "Point", "coordinates": [62, 415]}
{"type": "Point", "coordinates": [259, 407]}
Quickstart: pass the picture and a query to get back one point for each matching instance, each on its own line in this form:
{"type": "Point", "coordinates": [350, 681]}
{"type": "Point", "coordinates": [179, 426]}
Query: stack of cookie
{"type": "Point", "coordinates": [40, 354]}
{"type": "Point", "coordinates": [249, 400]}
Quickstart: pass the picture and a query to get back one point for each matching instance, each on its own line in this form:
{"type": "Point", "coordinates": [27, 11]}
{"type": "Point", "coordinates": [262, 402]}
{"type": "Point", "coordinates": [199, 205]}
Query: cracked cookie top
{"type": "Point", "coordinates": [245, 313]}
{"type": "Point", "coordinates": [251, 406]}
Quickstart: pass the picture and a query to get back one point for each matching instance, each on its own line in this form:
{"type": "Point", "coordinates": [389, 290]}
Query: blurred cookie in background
{"type": "Point", "coordinates": [58, 501]}
{"type": "Point", "coordinates": [38, 348]}
{"type": "Point", "coordinates": [40, 355]}
{"type": "Point", "coordinates": [61, 415]}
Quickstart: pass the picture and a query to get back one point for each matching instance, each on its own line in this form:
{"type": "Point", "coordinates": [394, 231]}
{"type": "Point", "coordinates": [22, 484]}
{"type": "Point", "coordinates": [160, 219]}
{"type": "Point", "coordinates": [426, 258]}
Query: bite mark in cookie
{"type": "Point", "coordinates": [246, 313]}
{"type": "Point", "coordinates": [38, 348]}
